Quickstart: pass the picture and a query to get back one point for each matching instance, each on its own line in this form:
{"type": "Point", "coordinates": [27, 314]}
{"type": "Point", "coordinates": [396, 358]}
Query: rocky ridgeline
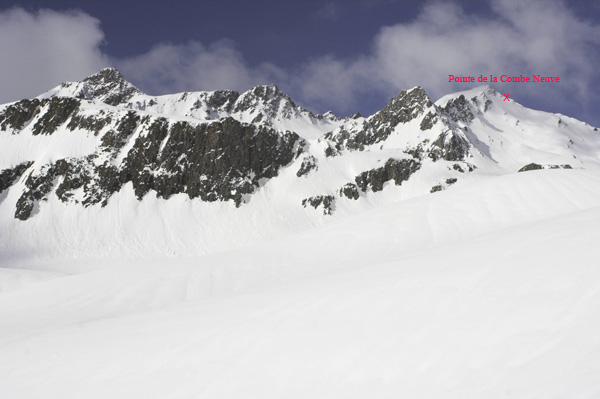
{"type": "Point", "coordinates": [107, 86]}
{"type": "Point", "coordinates": [372, 180]}
{"type": "Point", "coordinates": [261, 105]}
{"type": "Point", "coordinates": [410, 105]}
{"type": "Point", "coordinates": [358, 134]}
{"type": "Point", "coordinates": [535, 166]}
{"type": "Point", "coordinates": [222, 160]}
{"type": "Point", "coordinates": [219, 158]}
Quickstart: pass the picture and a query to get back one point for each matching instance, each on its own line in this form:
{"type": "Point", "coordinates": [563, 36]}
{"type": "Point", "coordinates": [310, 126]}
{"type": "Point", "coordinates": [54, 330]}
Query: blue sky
{"type": "Point", "coordinates": [348, 56]}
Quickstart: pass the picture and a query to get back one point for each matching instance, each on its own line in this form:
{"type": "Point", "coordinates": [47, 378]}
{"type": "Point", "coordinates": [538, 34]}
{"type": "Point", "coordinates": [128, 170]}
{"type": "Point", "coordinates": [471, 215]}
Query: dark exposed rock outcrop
{"type": "Point", "coordinates": [436, 188]}
{"type": "Point", "coordinates": [408, 105]}
{"type": "Point", "coordinates": [458, 109]}
{"type": "Point", "coordinates": [9, 176]}
{"type": "Point", "coordinates": [15, 116]}
{"type": "Point", "coordinates": [428, 121]}
{"type": "Point", "coordinates": [332, 151]}
{"type": "Point", "coordinates": [536, 166]}
{"type": "Point", "coordinates": [565, 166]}
{"type": "Point", "coordinates": [450, 146]}
{"type": "Point", "coordinates": [268, 99]}
{"type": "Point", "coordinates": [90, 123]}
{"type": "Point", "coordinates": [65, 176]}
{"type": "Point", "coordinates": [349, 190]}
{"type": "Point", "coordinates": [109, 86]}
{"type": "Point", "coordinates": [224, 160]}
{"type": "Point", "coordinates": [59, 110]}
{"type": "Point", "coordinates": [308, 163]}
{"type": "Point", "coordinates": [54, 112]}
{"type": "Point", "coordinates": [531, 166]}
{"type": "Point", "coordinates": [394, 169]}
{"type": "Point", "coordinates": [218, 161]}
{"type": "Point", "coordinates": [325, 201]}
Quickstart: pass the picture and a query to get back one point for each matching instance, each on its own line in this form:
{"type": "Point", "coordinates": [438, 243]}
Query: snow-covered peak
{"type": "Point", "coordinates": [268, 99]}
{"type": "Point", "coordinates": [267, 92]}
{"type": "Point", "coordinates": [478, 96]}
{"type": "Point", "coordinates": [406, 106]}
{"type": "Point", "coordinates": [108, 86]}
{"type": "Point", "coordinates": [106, 76]}
{"type": "Point", "coordinates": [509, 134]}
{"type": "Point", "coordinates": [263, 105]}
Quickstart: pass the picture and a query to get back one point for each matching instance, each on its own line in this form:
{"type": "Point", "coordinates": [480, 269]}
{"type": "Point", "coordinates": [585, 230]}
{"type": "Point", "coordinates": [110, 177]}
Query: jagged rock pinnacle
{"type": "Point", "coordinates": [110, 87]}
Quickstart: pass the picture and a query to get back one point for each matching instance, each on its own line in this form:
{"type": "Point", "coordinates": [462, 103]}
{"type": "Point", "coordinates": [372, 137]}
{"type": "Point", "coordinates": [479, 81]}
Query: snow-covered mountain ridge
{"type": "Point", "coordinates": [229, 245]}
{"type": "Point", "coordinates": [89, 147]}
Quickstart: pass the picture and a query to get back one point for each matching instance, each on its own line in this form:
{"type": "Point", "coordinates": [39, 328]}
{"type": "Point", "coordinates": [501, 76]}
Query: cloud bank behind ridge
{"type": "Point", "coordinates": [41, 49]}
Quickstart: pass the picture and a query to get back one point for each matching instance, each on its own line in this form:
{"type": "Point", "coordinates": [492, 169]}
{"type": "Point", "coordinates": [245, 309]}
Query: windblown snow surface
{"type": "Point", "coordinates": [490, 289]}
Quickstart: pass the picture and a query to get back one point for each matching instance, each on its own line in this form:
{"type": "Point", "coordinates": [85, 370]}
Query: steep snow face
{"type": "Point", "coordinates": [101, 150]}
{"type": "Point", "coordinates": [507, 135]}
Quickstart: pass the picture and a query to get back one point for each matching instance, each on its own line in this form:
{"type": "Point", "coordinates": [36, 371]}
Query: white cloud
{"type": "Point", "coordinates": [329, 82]}
{"type": "Point", "coordinates": [40, 50]}
{"type": "Point", "coordinates": [541, 37]}
{"type": "Point", "coordinates": [537, 37]}
{"type": "Point", "coordinates": [168, 68]}
{"type": "Point", "coordinates": [44, 48]}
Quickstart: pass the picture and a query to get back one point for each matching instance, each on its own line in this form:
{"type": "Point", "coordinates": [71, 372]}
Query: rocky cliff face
{"type": "Point", "coordinates": [223, 160]}
{"type": "Point", "coordinates": [220, 160]}
{"type": "Point", "coordinates": [410, 106]}
{"type": "Point", "coordinates": [361, 132]}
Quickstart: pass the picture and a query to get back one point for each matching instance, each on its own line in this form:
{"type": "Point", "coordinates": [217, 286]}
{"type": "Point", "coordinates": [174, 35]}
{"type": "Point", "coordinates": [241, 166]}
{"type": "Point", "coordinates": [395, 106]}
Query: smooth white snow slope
{"type": "Point", "coordinates": [488, 290]}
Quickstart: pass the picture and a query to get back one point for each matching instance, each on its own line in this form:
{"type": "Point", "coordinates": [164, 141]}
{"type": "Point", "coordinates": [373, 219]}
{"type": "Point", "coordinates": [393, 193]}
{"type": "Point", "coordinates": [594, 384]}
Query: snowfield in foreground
{"type": "Point", "coordinates": [486, 290]}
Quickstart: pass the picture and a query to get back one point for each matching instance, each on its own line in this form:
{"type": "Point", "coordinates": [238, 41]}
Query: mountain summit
{"type": "Point", "coordinates": [107, 86]}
